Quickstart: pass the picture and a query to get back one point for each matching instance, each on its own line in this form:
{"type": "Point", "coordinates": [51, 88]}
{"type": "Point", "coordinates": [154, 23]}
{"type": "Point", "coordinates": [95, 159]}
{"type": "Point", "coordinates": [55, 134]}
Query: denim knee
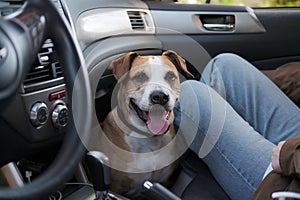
{"type": "Point", "coordinates": [226, 72]}
{"type": "Point", "coordinates": [224, 65]}
{"type": "Point", "coordinates": [229, 62]}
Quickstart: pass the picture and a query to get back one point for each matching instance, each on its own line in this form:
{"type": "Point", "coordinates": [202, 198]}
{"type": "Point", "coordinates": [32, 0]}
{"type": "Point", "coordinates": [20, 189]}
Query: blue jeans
{"type": "Point", "coordinates": [235, 116]}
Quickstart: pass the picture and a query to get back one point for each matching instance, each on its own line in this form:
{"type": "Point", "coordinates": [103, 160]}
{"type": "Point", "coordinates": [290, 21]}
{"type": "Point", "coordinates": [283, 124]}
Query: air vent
{"type": "Point", "coordinates": [136, 20]}
{"type": "Point", "coordinates": [10, 6]}
{"type": "Point", "coordinates": [46, 71]}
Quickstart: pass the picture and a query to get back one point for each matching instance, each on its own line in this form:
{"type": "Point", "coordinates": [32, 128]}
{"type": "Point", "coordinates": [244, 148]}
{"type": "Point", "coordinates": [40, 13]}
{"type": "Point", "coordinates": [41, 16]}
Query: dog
{"type": "Point", "coordinates": [142, 122]}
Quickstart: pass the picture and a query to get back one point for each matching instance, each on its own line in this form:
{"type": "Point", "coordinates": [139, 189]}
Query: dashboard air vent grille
{"type": "Point", "coordinates": [43, 73]}
{"type": "Point", "coordinates": [136, 20]}
{"type": "Point", "coordinates": [10, 6]}
{"type": "Point", "coordinates": [46, 71]}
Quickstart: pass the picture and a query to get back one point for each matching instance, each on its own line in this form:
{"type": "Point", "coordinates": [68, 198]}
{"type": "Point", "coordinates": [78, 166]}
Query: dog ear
{"type": "Point", "coordinates": [178, 61]}
{"type": "Point", "coordinates": [122, 65]}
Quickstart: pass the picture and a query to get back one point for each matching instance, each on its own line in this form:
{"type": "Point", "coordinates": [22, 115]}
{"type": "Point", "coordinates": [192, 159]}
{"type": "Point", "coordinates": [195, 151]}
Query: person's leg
{"type": "Point", "coordinates": [235, 153]}
{"type": "Point", "coordinates": [256, 98]}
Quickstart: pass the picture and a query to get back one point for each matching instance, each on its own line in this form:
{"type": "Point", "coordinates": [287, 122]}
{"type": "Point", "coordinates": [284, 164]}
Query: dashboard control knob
{"type": "Point", "coordinates": [39, 114]}
{"type": "Point", "coordinates": [60, 116]}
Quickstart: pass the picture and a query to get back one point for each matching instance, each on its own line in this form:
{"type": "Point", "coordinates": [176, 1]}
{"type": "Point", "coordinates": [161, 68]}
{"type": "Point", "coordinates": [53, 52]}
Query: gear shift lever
{"type": "Point", "coordinates": [98, 164]}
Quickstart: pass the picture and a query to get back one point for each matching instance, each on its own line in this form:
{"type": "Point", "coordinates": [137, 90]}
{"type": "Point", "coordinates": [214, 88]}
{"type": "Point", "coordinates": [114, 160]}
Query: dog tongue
{"type": "Point", "coordinates": [157, 120]}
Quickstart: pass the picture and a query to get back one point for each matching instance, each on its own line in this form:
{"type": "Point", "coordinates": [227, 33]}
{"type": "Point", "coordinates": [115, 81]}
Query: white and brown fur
{"type": "Point", "coordinates": [138, 77]}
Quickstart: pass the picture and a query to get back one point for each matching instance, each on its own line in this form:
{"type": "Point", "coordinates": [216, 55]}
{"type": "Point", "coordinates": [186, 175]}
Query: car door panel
{"type": "Point", "coordinates": [265, 37]}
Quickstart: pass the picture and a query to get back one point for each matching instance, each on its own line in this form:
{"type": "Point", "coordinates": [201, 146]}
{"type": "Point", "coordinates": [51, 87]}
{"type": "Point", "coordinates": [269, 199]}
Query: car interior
{"type": "Point", "coordinates": [55, 88]}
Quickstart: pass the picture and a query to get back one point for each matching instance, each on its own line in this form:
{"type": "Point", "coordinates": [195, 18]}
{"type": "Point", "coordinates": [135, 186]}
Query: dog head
{"type": "Point", "coordinates": [149, 87]}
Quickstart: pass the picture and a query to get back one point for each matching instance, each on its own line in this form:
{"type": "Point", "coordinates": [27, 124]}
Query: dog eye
{"type": "Point", "coordinates": [140, 77]}
{"type": "Point", "coordinates": [171, 76]}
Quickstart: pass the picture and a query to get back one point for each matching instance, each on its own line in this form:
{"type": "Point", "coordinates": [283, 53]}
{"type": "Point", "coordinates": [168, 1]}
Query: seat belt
{"type": "Point", "coordinates": [195, 180]}
{"type": "Point", "coordinates": [183, 181]}
{"type": "Point", "coordinates": [187, 174]}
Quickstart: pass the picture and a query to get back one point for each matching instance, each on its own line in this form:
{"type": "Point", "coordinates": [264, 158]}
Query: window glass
{"type": "Point", "coordinates": [251, 3]}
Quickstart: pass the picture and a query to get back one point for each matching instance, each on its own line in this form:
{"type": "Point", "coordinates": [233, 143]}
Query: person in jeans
{"type": "Point", "coordinates": [240, 117]}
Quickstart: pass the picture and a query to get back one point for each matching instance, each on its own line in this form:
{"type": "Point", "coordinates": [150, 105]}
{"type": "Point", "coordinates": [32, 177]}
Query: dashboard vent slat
{"type": "Point", "coordinates": [49, 72]}
{"type": "Point", "coordinates": [46, 71]}
{"type": "Point", "coordinates": [37, 76]}
{"type": "Point", "coordinates": [136, 20]}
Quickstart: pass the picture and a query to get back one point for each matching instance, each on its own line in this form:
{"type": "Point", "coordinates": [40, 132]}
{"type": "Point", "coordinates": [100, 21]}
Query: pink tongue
{"type": "Point", "coordinates": [157, 122]}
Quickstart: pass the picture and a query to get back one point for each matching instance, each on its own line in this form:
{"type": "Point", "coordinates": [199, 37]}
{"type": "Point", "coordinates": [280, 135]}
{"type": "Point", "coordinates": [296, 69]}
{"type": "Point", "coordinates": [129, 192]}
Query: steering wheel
{"type": "Point", "coordinates": [21, 36]}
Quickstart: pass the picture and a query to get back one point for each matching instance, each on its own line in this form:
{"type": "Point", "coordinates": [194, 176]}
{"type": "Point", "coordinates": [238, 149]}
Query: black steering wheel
{"type": "Point", "coordinates": [21, 36]}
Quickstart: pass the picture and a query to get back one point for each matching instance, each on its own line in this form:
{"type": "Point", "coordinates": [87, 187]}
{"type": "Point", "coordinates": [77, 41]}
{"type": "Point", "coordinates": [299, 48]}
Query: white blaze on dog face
{"type": "Point", "coordinates": [150, 74]}
{"type": "Point", "coordinates": [165, 78]}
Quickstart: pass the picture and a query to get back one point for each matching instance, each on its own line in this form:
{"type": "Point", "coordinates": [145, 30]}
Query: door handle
{"type": "Point", "coordinates": [218, 22]}
{"type": "Point", "coordinates": [219, 27]}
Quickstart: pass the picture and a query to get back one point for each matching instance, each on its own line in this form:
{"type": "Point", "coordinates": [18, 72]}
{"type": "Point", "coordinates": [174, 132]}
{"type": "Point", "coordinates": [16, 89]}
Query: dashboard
{"type": "Point", "coordinates": [42, 93]}
{"type": "Point", "coordinates": [106, 30]}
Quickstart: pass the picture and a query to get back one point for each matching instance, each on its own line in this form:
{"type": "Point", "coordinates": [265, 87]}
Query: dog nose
{"type": "Point", "coordinates": [158, 97]}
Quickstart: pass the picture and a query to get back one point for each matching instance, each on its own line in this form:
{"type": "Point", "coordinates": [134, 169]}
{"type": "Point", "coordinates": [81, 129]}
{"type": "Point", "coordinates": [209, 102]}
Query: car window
{"type": "Point", "coordinates": [251, 3]}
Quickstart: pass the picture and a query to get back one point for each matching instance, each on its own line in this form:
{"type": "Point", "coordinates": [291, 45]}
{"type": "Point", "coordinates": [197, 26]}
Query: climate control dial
{"type": "Point", "coordinates": [39, 114]}
{"type": "Point", "coordinates": [60, 116]}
